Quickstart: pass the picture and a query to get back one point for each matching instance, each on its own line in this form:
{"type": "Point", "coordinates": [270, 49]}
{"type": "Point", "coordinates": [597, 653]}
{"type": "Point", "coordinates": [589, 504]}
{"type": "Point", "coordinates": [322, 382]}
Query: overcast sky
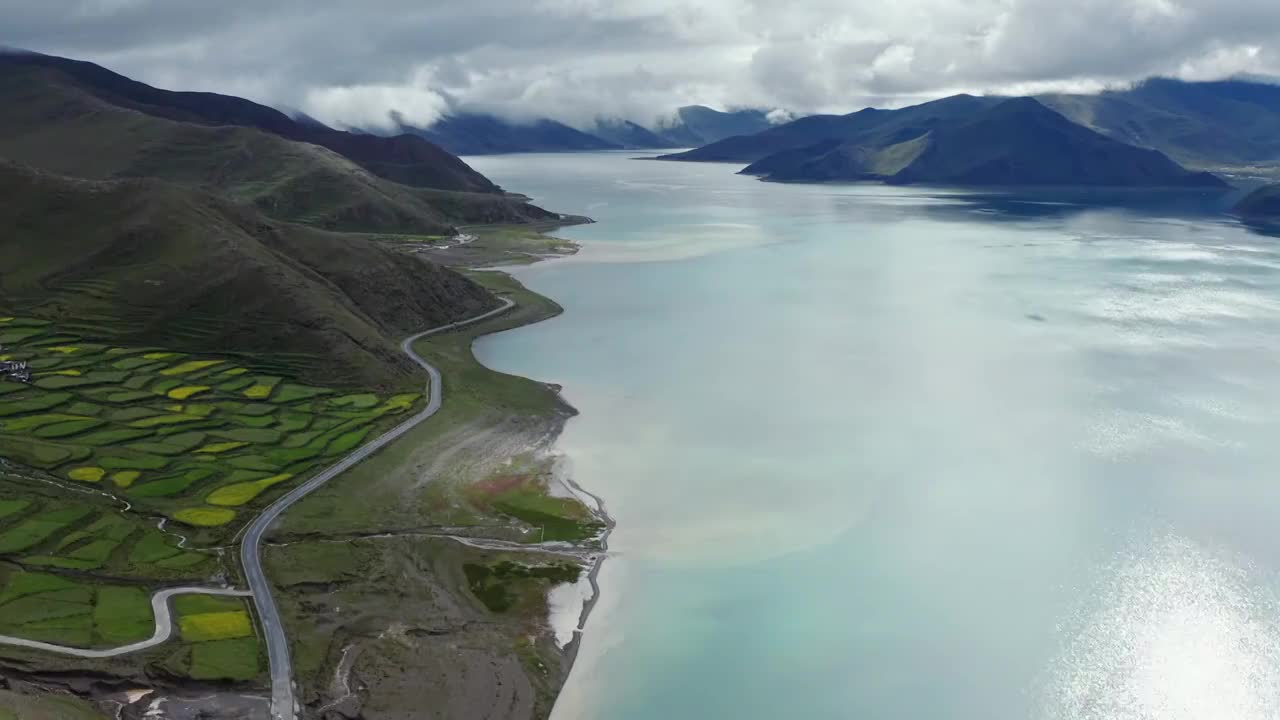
{"type": "Point", "coordinates": [350, 62]}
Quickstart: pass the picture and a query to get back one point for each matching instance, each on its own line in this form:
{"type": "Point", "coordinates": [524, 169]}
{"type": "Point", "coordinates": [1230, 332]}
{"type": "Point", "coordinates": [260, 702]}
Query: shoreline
{"type": "Point", "coordinates": [571, 649]}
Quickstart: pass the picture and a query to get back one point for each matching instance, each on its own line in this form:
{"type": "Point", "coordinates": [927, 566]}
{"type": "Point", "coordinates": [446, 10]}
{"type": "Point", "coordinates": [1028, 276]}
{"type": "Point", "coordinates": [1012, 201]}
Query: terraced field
{"type": "Point", "coordinates": [194, 439]}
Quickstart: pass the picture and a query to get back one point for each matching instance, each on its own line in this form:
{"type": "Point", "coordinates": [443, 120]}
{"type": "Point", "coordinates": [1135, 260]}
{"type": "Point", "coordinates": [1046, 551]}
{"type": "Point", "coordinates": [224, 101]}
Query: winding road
{"type": "Point", "coordinates": [164, 626]}
{"type": "Point", "coordinates": [283, 706]}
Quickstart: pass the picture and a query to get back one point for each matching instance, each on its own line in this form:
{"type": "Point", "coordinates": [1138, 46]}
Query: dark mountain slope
{"type": "Point", "coordinates": [184, 269]}
{"type": "Point", "coordinates": [1014, 142]}
{"type": "Point", "coordinates": [404, 159]}
{"type": "Point", "coordinates": [869, 125]}
{"type": "Point", "coordinates": [1261, 204]}
{"type": "Point", "coordinates": [49, 121]}
{"type": "Point", "coordinates": [626, 134]}
{"type": "Point", "coordinates": [697, 125]}
{"type": "Point", "coordinates": [1203, 124]}
{"type": "Point", "coordinates": [480, 134]}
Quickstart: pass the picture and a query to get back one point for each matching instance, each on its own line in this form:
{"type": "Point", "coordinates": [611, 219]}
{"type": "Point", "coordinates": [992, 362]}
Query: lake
{"type": "Point", "coordinates": [900, 453]}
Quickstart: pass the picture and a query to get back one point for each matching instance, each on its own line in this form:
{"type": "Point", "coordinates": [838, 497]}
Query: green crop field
{"type": "Point", "coordinates": [170, 432]}
{"type": "Point", "coordinates": [68, 611]}
{"type": "Point", "coordinates": [118, 464]}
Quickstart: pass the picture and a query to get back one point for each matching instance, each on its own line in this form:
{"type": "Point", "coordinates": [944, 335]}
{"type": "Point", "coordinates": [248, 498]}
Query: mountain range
{"type": "Point", "coordinates": [471, 133]}
{"type": "Point", "coordinates": [961, 140]}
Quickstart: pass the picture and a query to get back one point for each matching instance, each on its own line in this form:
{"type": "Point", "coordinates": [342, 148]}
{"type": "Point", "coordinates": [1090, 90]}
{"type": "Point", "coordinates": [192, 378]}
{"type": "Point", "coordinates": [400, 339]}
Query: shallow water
{"type": "Point", "coordinates": [902, 453]}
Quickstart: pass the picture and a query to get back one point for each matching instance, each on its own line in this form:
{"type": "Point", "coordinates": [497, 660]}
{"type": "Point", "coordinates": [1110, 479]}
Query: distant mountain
{"type": "Point", "coordinates": [482, 134]}
{"type": "Point", "coordinates": [52, 120]}
{"type": "Point", "coordinates": [181, 268]}
{"type": "Point", "coordinates": [405, 159]}
{"type": "Point", "coordinates": [1261, 204]}
{"type": "Point", "coordinates": [962, 140]}
{"type": "Point", "coordinates": [697, 125]}
{"type": "Point", "coordinates": [1201, 124]}
{"type": "Point", "coordinates": [882, 127]}
{"type": "Point", "coordinates": [626, 134]}
{"type": "Point", "coordinates": [472, 133]}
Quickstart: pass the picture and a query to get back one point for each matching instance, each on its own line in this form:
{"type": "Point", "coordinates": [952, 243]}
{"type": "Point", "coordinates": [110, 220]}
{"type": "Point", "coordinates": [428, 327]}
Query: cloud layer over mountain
{"type": "Point", "coordinates": [351, 63]}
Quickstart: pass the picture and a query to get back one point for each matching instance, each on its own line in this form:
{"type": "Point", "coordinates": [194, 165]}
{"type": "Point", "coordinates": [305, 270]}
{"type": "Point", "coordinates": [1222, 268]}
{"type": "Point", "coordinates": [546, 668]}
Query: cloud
{"type": "Point", "coordinates": [374, 107]}
{"type": "Point", "coordinates": [575, 60]}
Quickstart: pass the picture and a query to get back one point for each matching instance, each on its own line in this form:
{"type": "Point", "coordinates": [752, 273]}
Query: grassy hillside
{"type": "Point", "coordinates": [146, 262]}
{"type": "Point", "coordinates": [49, 122]}
{"type": "Point", "coordinates": [1206, 124]}
{"type": "Point", "coordinates": [404, 159]}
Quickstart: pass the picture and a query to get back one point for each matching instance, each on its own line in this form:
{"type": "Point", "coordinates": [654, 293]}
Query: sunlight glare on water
{"type": "Point", "coordinates": [1178, 634]}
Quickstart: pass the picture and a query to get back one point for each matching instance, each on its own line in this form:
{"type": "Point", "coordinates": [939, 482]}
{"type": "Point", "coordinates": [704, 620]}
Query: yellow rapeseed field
{"type": "Point", "coordinates": [221, 447]}
{"type": "Point", "coordinates": [125, 478]}
{"type": "Point", "coordinates": [241, 493]}
{"type": "Point", "coordinates": [204, 516]}
{"type": "Point", "coordinates": [189, 367]}
{"type": "Point", "coordinates": [215, 626]}
{"type": "Point", "coordinates": [87, 474]}
{"type": "Point", "coordinates": [187, 391]}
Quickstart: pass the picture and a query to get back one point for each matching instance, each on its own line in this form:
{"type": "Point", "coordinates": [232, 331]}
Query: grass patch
{"type": "Point", "coordinates": [159, 420]}
{"type": "Point", "coordinates": [173, 484]}
{"type": "Point", "coordinates": [495, 585]}
{"type": "Point", "coordinates": [36, 530]}
{"type": "Point", "coordinates": [347, 441]}
{"type": "Point", "coordinates": [112, 436]}
{"type": "Point", "coordinates": [21, 584]}
{"type": "Point", "coordinates": [122, 615]}
{"type": "Point", "coordinates": [251, 435]}
{"type": "Point", "coordinates": [135, 461]}
{"type": "Point", "coordinates": [41, 402]}
{"type": "Point", "coordinates": [235, 659]}
{"type": "Point", "coordinates": [364, 401]}
{"type": "Point", "coordinates": [559, 518]}
{"type": "Point", "coordinates": [153, 547]}
{"type": "Point", "coordinates": [12, 507]}
{"type": "Point", "coordinates": [293, 393]}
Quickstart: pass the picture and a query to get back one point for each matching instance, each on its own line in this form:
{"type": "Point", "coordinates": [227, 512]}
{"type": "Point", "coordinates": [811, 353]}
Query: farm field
{"type": "Point", "coordinates": [122, 468]}
{"type": "Point", "coordinates": [197, 440]}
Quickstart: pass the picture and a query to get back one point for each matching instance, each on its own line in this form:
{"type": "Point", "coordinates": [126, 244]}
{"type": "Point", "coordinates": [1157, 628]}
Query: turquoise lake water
{"type": "Point", "coordinates": [895, 453]}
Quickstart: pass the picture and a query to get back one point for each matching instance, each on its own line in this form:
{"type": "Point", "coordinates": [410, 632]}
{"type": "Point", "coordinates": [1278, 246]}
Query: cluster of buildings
{"type": "Point", "coordinates": [14, 370]}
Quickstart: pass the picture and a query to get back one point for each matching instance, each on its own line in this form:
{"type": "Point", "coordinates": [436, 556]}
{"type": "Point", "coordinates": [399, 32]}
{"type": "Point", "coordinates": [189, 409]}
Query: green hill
{"type": "Point", "coordinates": [48, 120]}
{"type": "Point", "coordinates": [1199, 124]}
{"type": "Point", "coordinates": [403, 159]}
{"type": "Point", "coordinates": [146, 262]}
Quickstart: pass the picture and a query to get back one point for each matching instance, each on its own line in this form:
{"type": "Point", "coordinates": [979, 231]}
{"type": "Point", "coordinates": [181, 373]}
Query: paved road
{"type": "Point", "coordinates": [164, 626]}
{"type": "Point", "coordinates": [283, 706]}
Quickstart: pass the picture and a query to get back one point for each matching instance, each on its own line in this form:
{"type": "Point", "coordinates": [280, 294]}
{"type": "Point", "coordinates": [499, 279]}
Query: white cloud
{"type": "Point", "coordinates": [575, 60]}
{"type": "Point", "coordinates": [372, 106]}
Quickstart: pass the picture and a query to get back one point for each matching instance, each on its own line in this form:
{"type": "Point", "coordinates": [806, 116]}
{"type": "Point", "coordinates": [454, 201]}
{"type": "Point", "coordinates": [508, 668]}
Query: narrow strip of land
{"type": "Point", "coordinates": [283, 706]}
{"type": "Point", "coordinates": [164, 626]}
